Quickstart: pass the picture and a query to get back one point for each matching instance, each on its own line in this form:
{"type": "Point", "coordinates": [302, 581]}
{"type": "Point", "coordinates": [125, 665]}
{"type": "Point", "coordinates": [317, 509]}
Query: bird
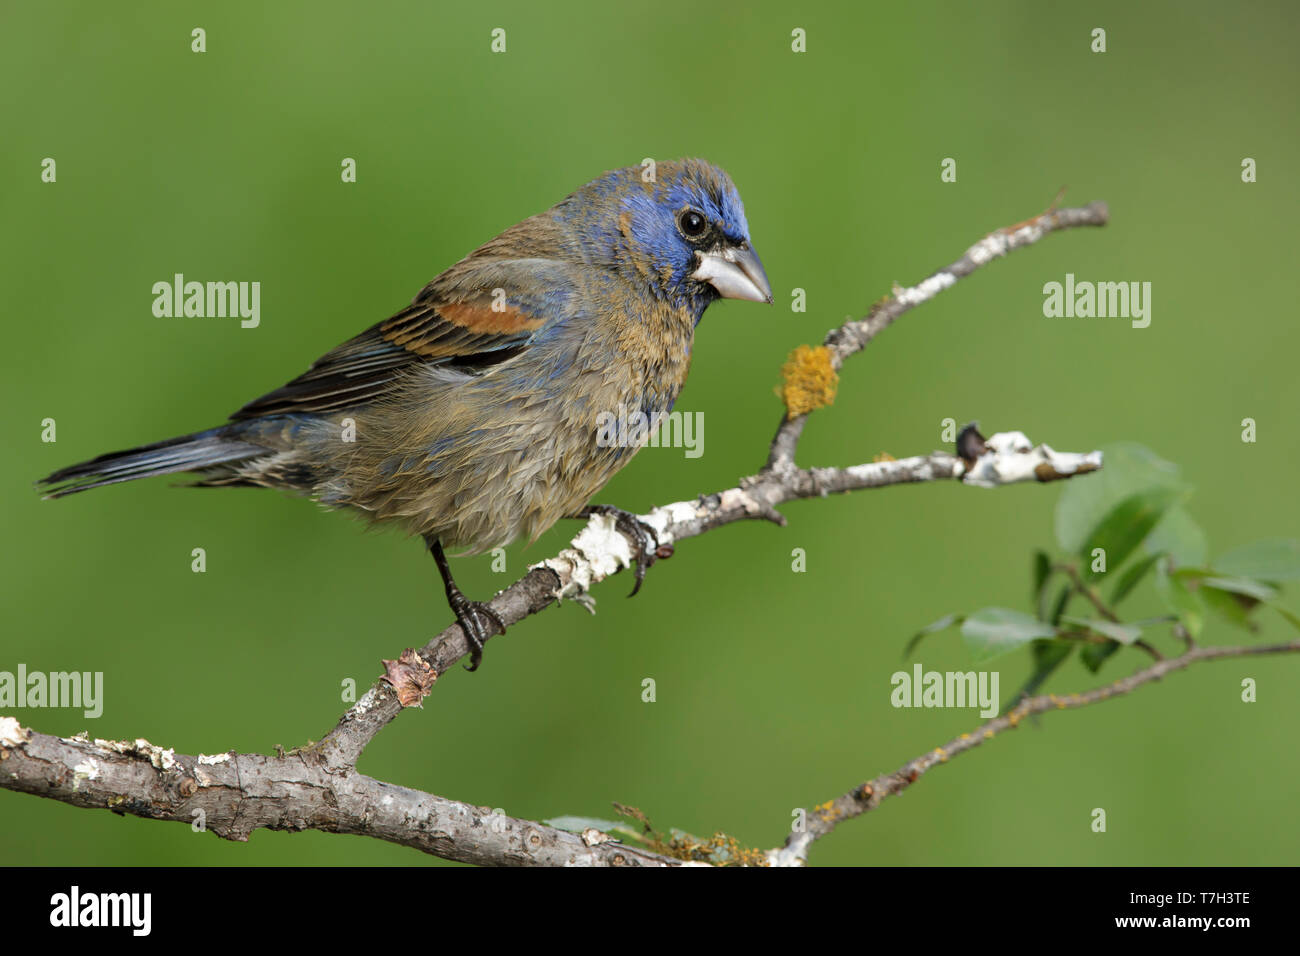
{"type": "Point", "coordinates": [470, 417]}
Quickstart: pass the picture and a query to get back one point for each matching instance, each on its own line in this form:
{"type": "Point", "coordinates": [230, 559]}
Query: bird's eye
{"type": "Point", "coordinates": [692, 224]}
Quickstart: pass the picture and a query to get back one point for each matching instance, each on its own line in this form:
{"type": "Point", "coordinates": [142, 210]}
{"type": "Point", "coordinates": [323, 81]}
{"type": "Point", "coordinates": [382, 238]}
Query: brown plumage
{"type": "Point", "coordinates": [471, 417]}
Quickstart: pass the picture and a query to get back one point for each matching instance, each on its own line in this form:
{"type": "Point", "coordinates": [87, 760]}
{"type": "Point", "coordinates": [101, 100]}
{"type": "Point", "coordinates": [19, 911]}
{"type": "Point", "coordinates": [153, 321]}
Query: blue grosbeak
{"type": "Point", "coordinates": [470, 417]}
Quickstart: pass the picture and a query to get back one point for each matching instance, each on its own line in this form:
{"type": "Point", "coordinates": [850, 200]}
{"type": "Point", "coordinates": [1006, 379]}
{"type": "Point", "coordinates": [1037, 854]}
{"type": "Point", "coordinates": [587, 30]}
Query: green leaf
{"type": "Point", "coordinates": [1231, 606]}
{"type": "Point", "coordinates": [945, 622]}
{"type": "Point", "coordinates": [1180, 536]}
{"type": "Point", "coordinates": [1244, 586]}
{"type": "Point", "coordinates": [1094, 655]}
{"type": "Point", "coordinates": [1182, 601]}
{"type": "Point", "coordinates": [1048, 656]}
{"type": "Point", "coordinates": [620, 829]}
{"type": "Point", "coordinates": [1233, 599]}
{"type": "Point", "coordinates": [993, 631]}
{"type": "Point", "coordinates": [578, 824]}
{"type": "Point", "coordinates": [1274, 560]}
{"type": "Point", "coordinates": [1042, 571]}
{"type": "Point", "coordinates": [1132, 577]}
{"type": "Point", "coordinates": [1062, 602]}
{"type": "Point", "coordinates": [1124, 633]}
{"type": "Point", "coordinates": [1126, 525]}
{"type": "Point", "coordinates": [1083, 504]}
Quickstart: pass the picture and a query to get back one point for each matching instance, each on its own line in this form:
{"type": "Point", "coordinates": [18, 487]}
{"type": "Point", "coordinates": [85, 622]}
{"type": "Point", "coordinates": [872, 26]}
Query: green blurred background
{"type": "Point", "coordinates": [773, 687]}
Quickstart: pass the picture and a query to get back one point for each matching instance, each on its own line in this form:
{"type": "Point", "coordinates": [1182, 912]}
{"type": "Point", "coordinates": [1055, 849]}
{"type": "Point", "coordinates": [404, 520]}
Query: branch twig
{"type": "Point", "coordinates": [853, 336]}
{"type": "Point", "coordinates": [826, 817]}
{"type": "Point", "coordinates": [1090, 593]}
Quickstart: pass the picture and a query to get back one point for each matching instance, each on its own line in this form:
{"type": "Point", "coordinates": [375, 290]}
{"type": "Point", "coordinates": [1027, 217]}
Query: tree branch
{"type": "Point", "coordinates": [853, 336]}
{"type": "Point", "coordinates": [234, 794]}
{"type": "Point", "coordinates": [318, 787]}
{"type": "Point", "coordinates": [827, 816]}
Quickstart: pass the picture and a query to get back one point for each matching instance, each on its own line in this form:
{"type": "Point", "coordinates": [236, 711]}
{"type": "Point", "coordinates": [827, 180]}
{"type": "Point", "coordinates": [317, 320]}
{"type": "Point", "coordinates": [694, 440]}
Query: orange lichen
{"type": "Point", "coordinates": [826, 810]}
{"type": "Point", "coordinates": [808, 380]}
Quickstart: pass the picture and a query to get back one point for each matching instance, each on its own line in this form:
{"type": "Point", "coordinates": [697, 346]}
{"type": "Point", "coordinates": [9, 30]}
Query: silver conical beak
{"type": "Point", "coordinates": [735, 271]}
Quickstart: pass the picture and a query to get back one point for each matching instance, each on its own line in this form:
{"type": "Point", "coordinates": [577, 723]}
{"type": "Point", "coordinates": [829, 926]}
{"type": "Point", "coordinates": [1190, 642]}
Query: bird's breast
{"type": "Point", "coordinates": [655, 348]}
{"type": "Point", "coordinates": [479, 460]}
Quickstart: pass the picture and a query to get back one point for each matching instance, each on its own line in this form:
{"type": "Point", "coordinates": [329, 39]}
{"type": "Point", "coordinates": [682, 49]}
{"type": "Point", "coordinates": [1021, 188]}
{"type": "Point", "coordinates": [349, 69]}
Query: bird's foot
{"type": "Point", "coordinates": [643, 538]}
{"type": "Point", "coordinates": [477, 620]}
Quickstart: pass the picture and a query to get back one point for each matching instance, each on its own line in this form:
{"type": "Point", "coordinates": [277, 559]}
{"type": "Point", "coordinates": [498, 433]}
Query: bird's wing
{"type": "Point", "coordinates": [474, 315]}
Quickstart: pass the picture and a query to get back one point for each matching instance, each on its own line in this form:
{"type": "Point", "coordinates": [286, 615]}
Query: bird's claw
{"type": "Point", "coordinates": [479, 622]}
{"type": "Point", "coordinates": [643, 538]}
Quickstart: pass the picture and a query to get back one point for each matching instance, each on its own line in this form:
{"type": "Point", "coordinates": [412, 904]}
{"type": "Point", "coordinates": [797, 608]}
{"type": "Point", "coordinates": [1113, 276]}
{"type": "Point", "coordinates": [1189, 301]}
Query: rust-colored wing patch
{"type": "Point", "coordinates": [362, 369]}
{"type": "Point", "coordinates": [488, 321]}
{"type": "Point", "coordinates": [452, 329]}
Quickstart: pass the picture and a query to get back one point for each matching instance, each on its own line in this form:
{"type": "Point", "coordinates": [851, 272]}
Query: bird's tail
{"type": "Point", "coordinates": [214, 447]}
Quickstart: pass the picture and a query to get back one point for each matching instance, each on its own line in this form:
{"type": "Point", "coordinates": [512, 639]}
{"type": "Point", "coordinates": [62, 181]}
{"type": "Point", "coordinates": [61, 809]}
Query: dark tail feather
{"type": "Point", "coordinates": [187, 453]}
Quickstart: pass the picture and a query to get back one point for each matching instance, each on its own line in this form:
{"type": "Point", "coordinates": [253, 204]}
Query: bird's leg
{"type": "Point", "coordinates": [644, 538]}
{"type": "Point", "coordinates": [476, 619]}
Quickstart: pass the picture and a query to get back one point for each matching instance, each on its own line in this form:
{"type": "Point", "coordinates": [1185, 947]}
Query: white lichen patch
{"type": "Point", "coordinates": [593, 837]}
{"type": "Point", "coordinates": [1012, 457]}
{"type": "Point", "coordinates": [162, 758]}
{"type": "Point", "coordinates": [362, 707]}
{"type": "Point", "coordinates": [925, 290]}
{"type": "Point", "coordinates": [86, 770]}
{"type": "Point", "coordinates": [598, 551]}
{"type": "Point", "coordinates": [664, 517]}
{"type": "Point", "coordinates": [12, 733]}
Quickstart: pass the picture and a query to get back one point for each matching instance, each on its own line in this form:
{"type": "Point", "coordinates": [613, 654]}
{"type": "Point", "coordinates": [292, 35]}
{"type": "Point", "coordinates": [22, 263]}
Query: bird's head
{"type": "Point", "coordinates": [678, 227]}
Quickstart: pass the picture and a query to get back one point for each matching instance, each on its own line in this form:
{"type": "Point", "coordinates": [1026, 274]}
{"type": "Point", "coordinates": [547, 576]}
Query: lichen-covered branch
{"type": "Point", "coordinates": [599, 551]}
{"type": "Point", "coordinates": [853, 336]}
{"type": "Point", "coordinates": [234, 794]}
{"type": "Point", "coordinates": [319, 787]}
